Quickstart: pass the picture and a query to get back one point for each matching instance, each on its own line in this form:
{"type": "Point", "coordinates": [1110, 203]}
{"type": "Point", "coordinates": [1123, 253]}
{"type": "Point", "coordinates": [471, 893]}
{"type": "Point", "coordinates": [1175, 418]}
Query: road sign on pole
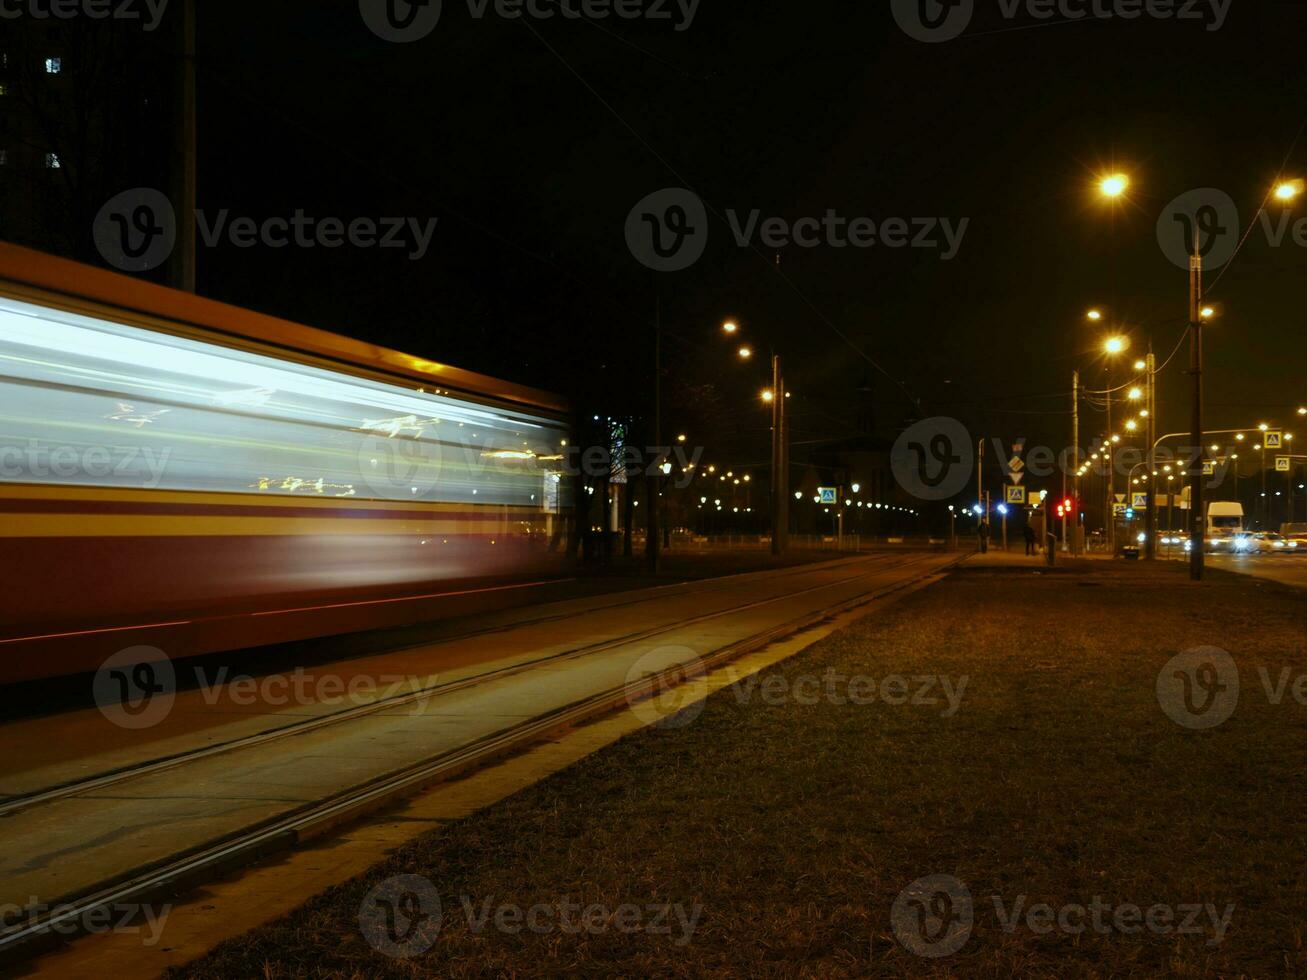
{"type": "Point", "coordinates": [1140, 501]}
{"type": "Point", "coordinates": [1283, 464]}
{"type": "Point", "coordinates": [828, 495]}
{"type": "Point", "coordinates": [1016, 495]}
{"type": "Point", "coordinates": [1274, 439]}
{"type": "Point", "coordinates": [1119, 510]}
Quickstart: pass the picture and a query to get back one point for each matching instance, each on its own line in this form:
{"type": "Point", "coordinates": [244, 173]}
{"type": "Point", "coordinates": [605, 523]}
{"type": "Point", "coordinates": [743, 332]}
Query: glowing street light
{"type": "Point", "coordinates": [1094, 315]}
{"type": "Point", "coordinates": [1115, 345]}
{"type": "Point", "coordinates": [1141, 365]}
{"type": "Point", "coordinates": [768, 395]}
{"type": "Point", "coordinates": [1288, 190]}
{"type": "Point", "coordinates": [730, 326]}
{"type": "Point", "coordinates": [1135, 394]}
{"type": "Point", "coordinates": [745, 353]}
{"type": "Point", "coordinates": [1114, 185]}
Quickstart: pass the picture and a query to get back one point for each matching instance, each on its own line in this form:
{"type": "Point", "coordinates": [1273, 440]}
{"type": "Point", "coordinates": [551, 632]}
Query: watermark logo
{"type": "Point", "coordinates": [400, 21]}
{"type": "Point", "coordinates": [1199, 688]}
{"type": "Point", "coordinates": [1104, 918]}
{"type": "Point", "coordinates": [136, 687]}
{"type": "Point", "coordinates": [405, 21]}
{"type": "Point", "coordinates": [674, 695]}
{"type": "Point", "coordinates": [123, 918]}
{"type": "Point", "coordinates": [933, 917]}
{"type": "Point", "coordinates": [831, 687]}
{"type": "Point", "coordinates": [401, 916]}
{"type": "Point", "coordinates": [398, 468]}
{"type": "Point", "coordinates": [120, 465]}
{"type": "Point", "coordinates": [149, 11]}
{"type": "Point", "coordinates": [933, 21]}
{"type": "Point", "coordinates": [1205, 218]}
{"type": "Point", "coordinates": [667, 231]}
{"type": "Point", "coordinates": [136, 231]}
{"type": "Point", "coordinates": [933, 459]}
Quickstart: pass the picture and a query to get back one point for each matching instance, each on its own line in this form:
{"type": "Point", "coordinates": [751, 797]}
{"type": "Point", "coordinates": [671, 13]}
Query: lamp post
{"type": "Point", "coordinates": [775, 397]}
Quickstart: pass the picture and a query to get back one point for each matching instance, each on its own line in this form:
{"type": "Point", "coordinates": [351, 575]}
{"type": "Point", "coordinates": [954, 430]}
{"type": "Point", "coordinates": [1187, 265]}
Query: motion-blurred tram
{"type": "Point", "coordinates": [187, 475]}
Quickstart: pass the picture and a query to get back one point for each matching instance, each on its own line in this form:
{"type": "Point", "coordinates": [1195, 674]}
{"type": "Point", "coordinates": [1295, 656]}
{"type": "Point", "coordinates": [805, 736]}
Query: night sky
{"type": "Point", "coordinates": [531, 142]}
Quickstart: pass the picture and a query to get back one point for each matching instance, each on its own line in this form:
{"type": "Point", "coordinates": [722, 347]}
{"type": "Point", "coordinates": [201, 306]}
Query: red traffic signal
{"type": "Point", "coordinates": [1068, 506]}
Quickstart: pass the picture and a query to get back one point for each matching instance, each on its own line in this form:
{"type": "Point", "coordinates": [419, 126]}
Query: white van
{"type": "Point", "coordinates": [1224, 521]}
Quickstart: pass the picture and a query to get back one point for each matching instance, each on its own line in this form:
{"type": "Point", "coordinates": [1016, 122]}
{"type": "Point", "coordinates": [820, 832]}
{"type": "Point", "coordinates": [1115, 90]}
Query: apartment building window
{"type": "Point", "coordinates": [53, 66]}
{"type": "Point", "coordinates": [52, 161]}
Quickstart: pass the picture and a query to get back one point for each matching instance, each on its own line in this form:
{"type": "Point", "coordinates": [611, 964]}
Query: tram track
{"type": "Point", "coordinates": [190, 867]}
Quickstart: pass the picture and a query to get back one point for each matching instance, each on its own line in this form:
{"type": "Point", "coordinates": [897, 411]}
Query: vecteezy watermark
{"type": "Point", "coordinates": [136, 231]}
{"type": "Point", "coordinates": [402, 917]}
{"type": "Point", "coordinates": [137, 687]}
{"type": "Point", "coordinates": [667, 231]}
{"type": "Point", "coordinates": [1200, 688]}
{"type": "Point", "coordinates": [121, 465]}
{"type": "Point", "coordinates": [1106, 919]}
{"type": "Point", "coordinates": [1207, 219]}
{"type": "Point", "coordinates": [406, 21]}
{"type": "Point", "coordinates": [934, 21]}
{"type": "Point", "coordinates": [934, 917]}
{"type": "Point", "coordinates": [933, 459]}
{"type": "Point", "coordinates": [832, 687]}
{"type": "Point", "coordinates": [128, 918]}
{"type": "Point", "coordinates": [149, 11]}
{"type": "Point", "coordinates": [667, 687]}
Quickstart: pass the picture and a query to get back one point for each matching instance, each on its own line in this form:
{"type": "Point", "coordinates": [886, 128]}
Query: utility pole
{"type": "Point", "coordinates": [652, 481]}
{"type": "Point", "coordinates": [1110, 492]}
{"type": "Point", "coordinates": [780, 513]}
{"type": "Point", "coordinates": [1075, 462]}
{"type": "Point", "coordinates": [1197, 513]}
{"type": "Point", "coordinates": [1150, 399]}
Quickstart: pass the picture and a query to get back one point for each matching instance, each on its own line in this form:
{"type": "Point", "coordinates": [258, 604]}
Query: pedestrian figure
{"type": "Point", "coordinates": [1029, 533]}
{"type": "Point", "coordinates": [983, 532]}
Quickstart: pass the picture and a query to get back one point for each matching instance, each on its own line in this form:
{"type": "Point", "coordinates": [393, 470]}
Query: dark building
{"type": "Point", "coordinates": [84, 112]}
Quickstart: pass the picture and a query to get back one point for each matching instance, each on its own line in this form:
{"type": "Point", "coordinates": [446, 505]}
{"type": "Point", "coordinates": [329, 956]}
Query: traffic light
{"type": "Point", "coordinates": [1068, 506]}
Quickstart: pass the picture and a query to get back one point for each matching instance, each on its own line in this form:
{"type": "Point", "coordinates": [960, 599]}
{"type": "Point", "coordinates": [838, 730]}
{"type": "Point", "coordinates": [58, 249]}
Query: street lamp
{"type": "Point", "coordinates": [1288, 190]}
{"type": "Point", "coordinates": [1114, 185]}
{"type": "Point", "coordinates": [774, 397]}
{"type": "Point", "coordinates": [1115, 345]}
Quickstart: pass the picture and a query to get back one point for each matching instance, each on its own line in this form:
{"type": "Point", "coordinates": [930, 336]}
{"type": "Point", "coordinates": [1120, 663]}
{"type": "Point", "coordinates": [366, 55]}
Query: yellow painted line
{"type": "Point", "coordinates": [129, 525]}
{"type": "Point", "coordinates": [253, 499]}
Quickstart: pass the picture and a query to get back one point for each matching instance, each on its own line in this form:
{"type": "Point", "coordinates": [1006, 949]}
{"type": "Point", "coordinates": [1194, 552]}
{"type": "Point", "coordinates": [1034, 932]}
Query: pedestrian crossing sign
{"type": "Point", "coordinates": [1274, 439]}
{"type": "Point", "coordinates": [1283, 464]}
{"type": "Point", "coordinates": [1139, 501]}
{"type": "Point", "coordinates": [1016, 495]}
